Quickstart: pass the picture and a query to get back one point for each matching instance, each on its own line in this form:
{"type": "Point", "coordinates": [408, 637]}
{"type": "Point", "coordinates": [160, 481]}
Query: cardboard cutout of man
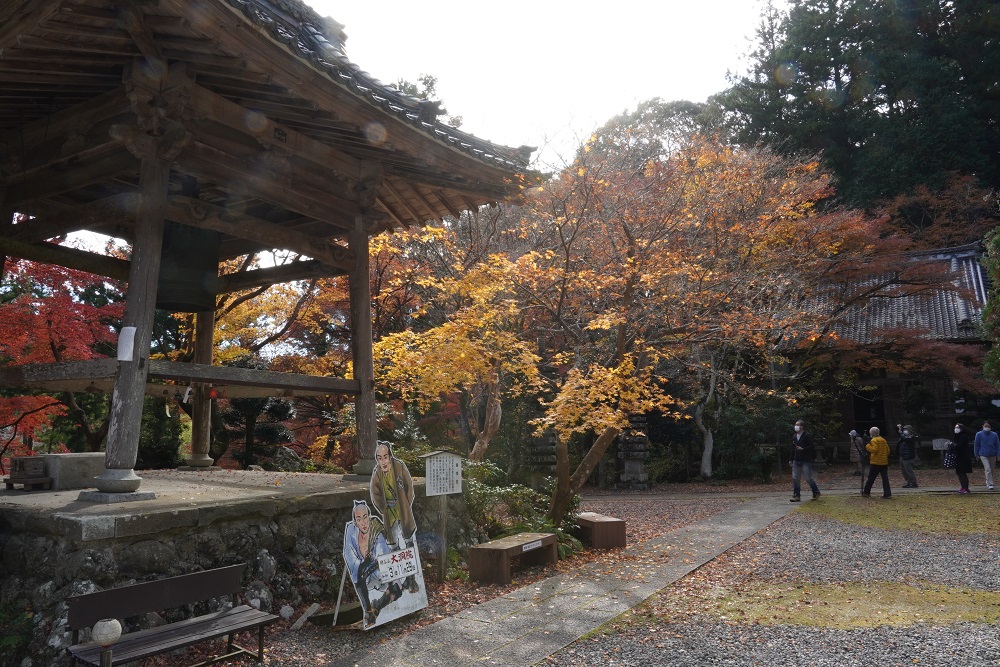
{"type": "Point", "coordinates": [392, 495]}
{"type": "Point", "coordinates": [364, 542]}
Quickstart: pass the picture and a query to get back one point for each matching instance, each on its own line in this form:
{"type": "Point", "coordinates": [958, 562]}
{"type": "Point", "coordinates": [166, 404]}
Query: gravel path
{"type": "Point", "coordinates": [826, 552]}
{"type": "Point", "coordinates": [806, 549]}
{"type": "Point", "coordinates": [701, 643]}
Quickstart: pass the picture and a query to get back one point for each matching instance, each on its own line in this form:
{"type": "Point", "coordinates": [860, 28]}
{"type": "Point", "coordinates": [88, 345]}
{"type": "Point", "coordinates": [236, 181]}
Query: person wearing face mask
{"type": "Point", "coordinates": [963, 456]}
{"type": "Point", "coordinates": [987, 448]}
{"type": "Point", "coordinates": [878, 450]}
{"type": "Point", "coordinates": [803, 455]}
{"type": "Point", "coordinates": [907, 448]}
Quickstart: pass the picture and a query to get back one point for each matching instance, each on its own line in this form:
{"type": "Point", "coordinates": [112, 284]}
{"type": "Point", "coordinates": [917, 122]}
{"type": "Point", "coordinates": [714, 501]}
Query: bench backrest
{"type": "Point", "coordinates": [153, 596]}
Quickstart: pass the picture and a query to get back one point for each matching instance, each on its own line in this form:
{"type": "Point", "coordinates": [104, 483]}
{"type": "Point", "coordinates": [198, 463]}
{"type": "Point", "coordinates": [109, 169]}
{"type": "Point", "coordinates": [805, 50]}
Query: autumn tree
{"type": "Point", "coordinates": [51, 314]}
{"type": "Point", "coordinates": [477, 352]}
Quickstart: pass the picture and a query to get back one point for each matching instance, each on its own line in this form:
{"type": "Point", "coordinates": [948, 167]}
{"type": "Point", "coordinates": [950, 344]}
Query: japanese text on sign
{"type": "Point", "coordinates": [444, 474]}
{"type": "Point", "coordinates": [397, 564]}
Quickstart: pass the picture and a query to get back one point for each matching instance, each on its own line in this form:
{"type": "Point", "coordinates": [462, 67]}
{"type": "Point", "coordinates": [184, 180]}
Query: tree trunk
{"type": "Point", "coordinates": [708, 441]}
{"type": "Point", "coordinates": [494, 411]}
{"type": "Point", "coordinates": [566, 486]}
{"type": "Point", "coordinates": [562, 494]}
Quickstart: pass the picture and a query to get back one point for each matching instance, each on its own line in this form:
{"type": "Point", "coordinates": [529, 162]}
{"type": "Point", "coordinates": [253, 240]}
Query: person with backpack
{"type": "Point", "coordinates": [987, 447]}
{"type": "Point", "coordinates": [907, 448]}
{"type": "Point", "coordinates": [859, 455]}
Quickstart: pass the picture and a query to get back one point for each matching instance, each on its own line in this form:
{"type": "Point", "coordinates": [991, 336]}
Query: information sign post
{"type": "Point", "coordinates": [443, 478]}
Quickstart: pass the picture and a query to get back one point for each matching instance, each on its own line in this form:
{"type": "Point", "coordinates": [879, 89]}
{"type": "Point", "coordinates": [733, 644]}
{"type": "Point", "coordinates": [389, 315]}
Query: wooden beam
{"type": "Point", "coordinates": [78, 130]}
{"type": "Point", "coordinates": [29, 375]}
{"type": "Point", "coordinates": [98, 374]}
{"type": "Point", "coordinates": [380, 202]}
{"type": "Point", "coordinates": [244, 280]}
{"type": "Point", "coordinates": [111, 213]}
{"type": "Point", "coordinates": [210, 164]}
{"type": "Point", "coordinates": [391, 189]}
{"type": "Point", "coordinates": [18, 17]}
{"type": "Point", "coordinates": [135, 24]}
{"type": "Point", "coordinates": [269, 161]}
{"type": "Point", "coordinates": [197, 213]}
{"type": "Point", "coordinates": [273, 135]}
{"type": "Point", "coordinates": [247, 377]}
{"type": "Point", "coordinates": [71, 258]}
{"type": "Point", "coordinates": [70, 175]}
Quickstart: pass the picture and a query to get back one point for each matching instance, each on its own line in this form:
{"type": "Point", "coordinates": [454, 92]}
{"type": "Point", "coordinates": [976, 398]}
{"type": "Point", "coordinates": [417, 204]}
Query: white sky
{"type": "Point", "coordinates": [548, 72]}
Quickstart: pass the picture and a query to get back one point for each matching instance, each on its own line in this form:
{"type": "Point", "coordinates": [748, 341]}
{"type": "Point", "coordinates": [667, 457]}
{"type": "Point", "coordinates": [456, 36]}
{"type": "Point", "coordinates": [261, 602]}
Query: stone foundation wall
{"type": "Point", "coordinates": [293, 548]}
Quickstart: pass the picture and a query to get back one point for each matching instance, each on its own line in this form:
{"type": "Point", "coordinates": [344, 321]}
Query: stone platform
{"type": "Point", "coordinates": [288, 527]}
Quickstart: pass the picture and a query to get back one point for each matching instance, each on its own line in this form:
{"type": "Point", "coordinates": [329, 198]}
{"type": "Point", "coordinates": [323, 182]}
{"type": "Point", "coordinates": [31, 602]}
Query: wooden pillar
{"type": "Point", "coordinates": [6, 220]}
{"type": "Point", "coordinates": [201, 413]}
{"type": "Point", "coordinates": [361, 319]}
{"type": "Point", "coordinates": [140, 300]}
{"type": "Point", "coordinates": [361, 348]}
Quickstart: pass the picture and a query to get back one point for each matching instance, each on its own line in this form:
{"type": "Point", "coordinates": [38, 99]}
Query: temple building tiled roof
{"type": "Point", "coordinates": [321, 41]}
{"type": "Point", "coordinates": [945, 314]}
{"type": "Point", "coordinates": [261, 82]}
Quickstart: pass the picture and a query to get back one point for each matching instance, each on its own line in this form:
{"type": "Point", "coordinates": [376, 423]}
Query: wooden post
{"type": "Point", "coordinates": [361, 320]}
{"type": "Point", "coordinates": [361, 348]}
{"type": "Point", "coordinates": [201, 412]}
{"type": "Point", "coordinates": [442, 529]}
{"type": "Point", "coordinates": [6, 221]}
{"type": "Point", "coordinates": [140, 300]}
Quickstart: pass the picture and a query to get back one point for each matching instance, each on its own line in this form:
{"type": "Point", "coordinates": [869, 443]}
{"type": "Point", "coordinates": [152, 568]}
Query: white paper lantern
{"type": "Point", "coordinates": [106, 631]}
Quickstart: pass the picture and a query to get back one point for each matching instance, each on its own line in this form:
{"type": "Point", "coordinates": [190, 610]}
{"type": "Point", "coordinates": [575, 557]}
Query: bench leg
{"type": "Point", "coordinates": [489, 567]}
{"type": "Point", "coordinates": [547, 555]}
{"type": "Point", "coordinates": [260, 645]}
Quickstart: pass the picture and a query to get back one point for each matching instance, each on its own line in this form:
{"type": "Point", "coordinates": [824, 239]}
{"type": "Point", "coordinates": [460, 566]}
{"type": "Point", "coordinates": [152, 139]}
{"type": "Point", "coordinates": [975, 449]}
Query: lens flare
{"type": "Point", "coordinates": [375, 133]}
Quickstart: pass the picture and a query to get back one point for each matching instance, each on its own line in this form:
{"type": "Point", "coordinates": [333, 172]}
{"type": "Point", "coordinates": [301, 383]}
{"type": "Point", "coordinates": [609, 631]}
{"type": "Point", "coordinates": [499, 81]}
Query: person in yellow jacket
{"type": "Point", "coordinates": [878, 453]}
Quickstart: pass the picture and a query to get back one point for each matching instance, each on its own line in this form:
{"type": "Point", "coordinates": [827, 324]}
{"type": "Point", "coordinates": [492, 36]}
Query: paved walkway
{"type": "Point", "coordinates": [531, 623]}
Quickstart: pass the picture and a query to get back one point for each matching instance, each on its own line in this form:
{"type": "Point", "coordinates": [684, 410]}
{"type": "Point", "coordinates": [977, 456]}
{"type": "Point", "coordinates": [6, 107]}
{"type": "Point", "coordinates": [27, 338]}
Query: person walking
{"type": "Point", "coordinates": [858, 455]}
{"type": "Point", "coordinates": [907, 448]}
{"type": "Point", "coordinates": [963, 456]}
{"type": "Point", "coordinates": [987, 447]}
{"type": "Point", "coordinates": [803, 455]}
{"type": "Point", "coordinates": [878, 452]}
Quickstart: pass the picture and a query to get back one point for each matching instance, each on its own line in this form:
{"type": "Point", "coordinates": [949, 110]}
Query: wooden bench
{"type": "Point", "coordinates": [601, 532]}
{"type": "Point", "coordinates": [158, 596]}
{"type": "Point", "coordinates": [490, 562]}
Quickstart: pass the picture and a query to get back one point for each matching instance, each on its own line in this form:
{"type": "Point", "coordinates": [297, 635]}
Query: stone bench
{"type": "Point", "coordinates": [601, 532]}
{"type": "Point", "coordinates": [491, 562]}
{"type": "Point", "coordinates": [74, 470]}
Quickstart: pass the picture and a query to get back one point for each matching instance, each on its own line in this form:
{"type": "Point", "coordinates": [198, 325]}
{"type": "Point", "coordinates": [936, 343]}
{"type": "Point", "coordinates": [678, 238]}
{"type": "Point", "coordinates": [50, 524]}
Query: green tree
{"type": "Point", "coordinates": [895, 93]}
{"type": "Point", "coordinates": [159, 434]}
{"type": "Point", "coordinates": [257, 422]}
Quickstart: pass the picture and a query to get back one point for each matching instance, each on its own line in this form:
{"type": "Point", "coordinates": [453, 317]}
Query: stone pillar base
{"type": "Point", "coordinates": [107, 498]}
{"type": "Point", "coordinates": [364, 467]}
{"type": "Point", "coordinates": [114, 480]}
{"type": "Point", "coordinates": [200, 462]}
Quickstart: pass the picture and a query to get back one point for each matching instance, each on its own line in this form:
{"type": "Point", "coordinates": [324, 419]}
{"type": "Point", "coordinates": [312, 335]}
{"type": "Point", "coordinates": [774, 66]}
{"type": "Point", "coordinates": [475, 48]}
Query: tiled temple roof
{"type": "Point", "coordinates": [943, 314]}
{"type": "Point", "coordinates": [320, 41]}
